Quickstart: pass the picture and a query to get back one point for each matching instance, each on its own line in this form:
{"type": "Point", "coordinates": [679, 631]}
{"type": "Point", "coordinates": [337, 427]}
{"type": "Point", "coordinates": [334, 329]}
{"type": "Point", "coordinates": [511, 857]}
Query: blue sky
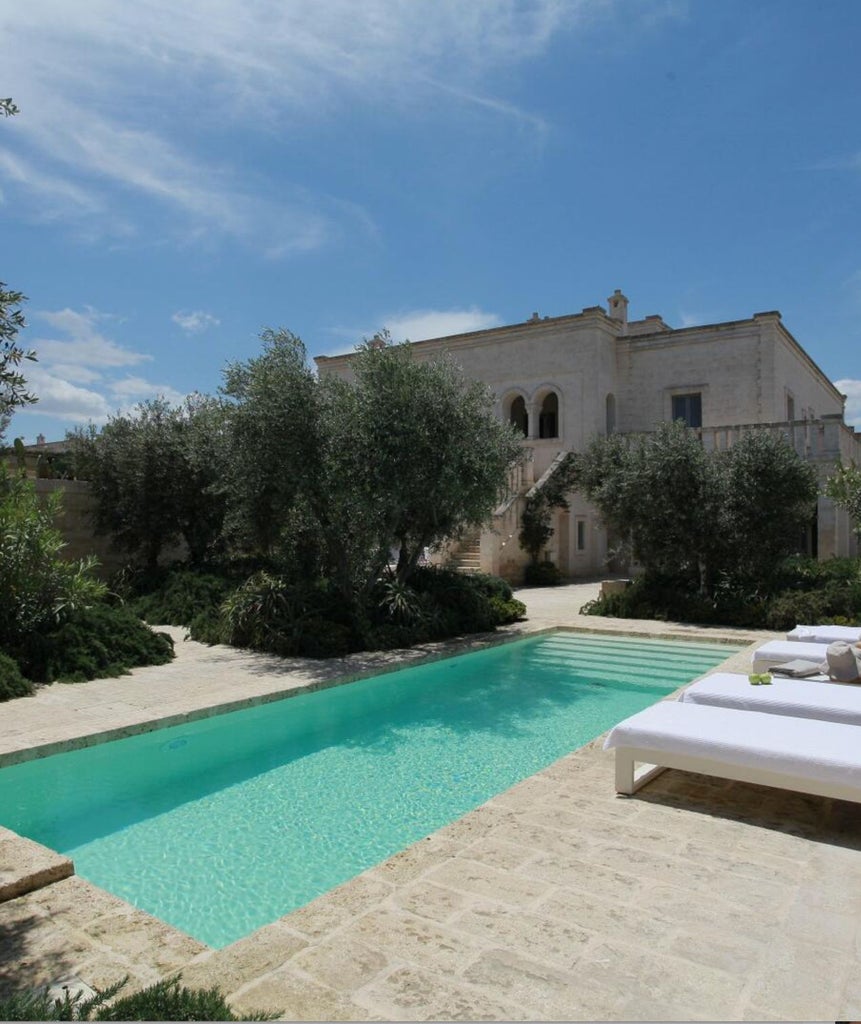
{"type": "Point", "coordinates": [184, 174]}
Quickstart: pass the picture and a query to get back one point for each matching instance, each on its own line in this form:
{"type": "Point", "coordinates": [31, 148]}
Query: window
{"type": "Point", "coordinates": [548, 417]}
{"type": "Point", "coordinates": [581, 534]}
{"type": "Point", "coordinates": [688, 408]}
{"type": "Point", "coordinates": [518, 416]}
{"type": "Point", "coordinates": [610, 413]}
{"type": "Point", "coordinates": [790, 408]}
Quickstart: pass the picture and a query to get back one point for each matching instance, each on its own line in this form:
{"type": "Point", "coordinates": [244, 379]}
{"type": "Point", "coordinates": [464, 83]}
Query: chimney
{"type": "Point", "coordinates": [618, 304]}
{"type": "Point", "coordinates": [40, 439]}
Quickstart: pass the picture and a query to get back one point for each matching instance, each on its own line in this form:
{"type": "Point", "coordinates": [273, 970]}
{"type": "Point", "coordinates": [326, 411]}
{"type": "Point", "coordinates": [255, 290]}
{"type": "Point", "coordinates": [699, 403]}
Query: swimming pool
{"type": "Point", "coordinates": [226, 823]}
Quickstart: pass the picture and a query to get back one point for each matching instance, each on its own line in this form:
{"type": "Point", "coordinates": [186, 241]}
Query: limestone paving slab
{"type": "Point", "coordinates": [26, 865]}
{"type": "Point", "coordinates": [556, 900]}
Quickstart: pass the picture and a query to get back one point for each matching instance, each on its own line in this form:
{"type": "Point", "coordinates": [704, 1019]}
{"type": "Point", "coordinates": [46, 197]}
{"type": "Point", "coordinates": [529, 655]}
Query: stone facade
{"type": "Point", "coordinates": [565, 379]}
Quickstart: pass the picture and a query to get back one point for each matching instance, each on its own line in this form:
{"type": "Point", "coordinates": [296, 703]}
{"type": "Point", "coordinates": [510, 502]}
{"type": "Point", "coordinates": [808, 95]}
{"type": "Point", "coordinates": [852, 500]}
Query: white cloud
{"type": "Point", "coordinates": [194, 323]}
{"type": "Point", "coordinates": [137, 389]}
{"type": "Point", "coordinates": [420, 324]}
{"type": "Point", "coordinates": [88, 348]}
{"type": "Point", "coordinates": [61, 398]}
{"type": "Point", "coordinates": [852, 390]}
{"type": "Point", "coordinates": [80, 354]}
{"type": "Point", "coordinates": [158, 75]}
{"type": "Point", "coordinates": [417, 325]}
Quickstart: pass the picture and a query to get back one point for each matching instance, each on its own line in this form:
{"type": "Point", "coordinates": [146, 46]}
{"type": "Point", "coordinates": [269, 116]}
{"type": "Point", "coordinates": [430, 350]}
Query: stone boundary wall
{"type": "Point", "coordinates": [76, 526]}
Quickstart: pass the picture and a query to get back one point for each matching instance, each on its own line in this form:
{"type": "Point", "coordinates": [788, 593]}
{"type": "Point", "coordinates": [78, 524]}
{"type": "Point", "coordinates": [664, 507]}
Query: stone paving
{"type": "Point", "coordinates": [556, 900]}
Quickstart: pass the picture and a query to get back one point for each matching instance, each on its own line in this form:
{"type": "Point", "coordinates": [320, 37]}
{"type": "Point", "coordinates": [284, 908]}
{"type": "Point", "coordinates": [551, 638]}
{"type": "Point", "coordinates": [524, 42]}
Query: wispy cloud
{"type": "Point", "coordinates": [81, 375]}
{"type": "Point", "coordinates": [161, 80]}
{"type": "Point", "coordinates": [85, 345]}
{"type": "Point", "coordinates": [196, 322]}
{"type": "Point", "coordinates": [849, 162]}
{"type": "Point", "coordinates": [137, 389]}
{"type": "Point", "coordinates": [852, 390]}
{"type": "Point", "coordinates": [417, 325]}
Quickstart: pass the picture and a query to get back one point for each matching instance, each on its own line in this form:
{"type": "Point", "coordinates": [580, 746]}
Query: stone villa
{"type": "Point", "coordinates": [563, 379]}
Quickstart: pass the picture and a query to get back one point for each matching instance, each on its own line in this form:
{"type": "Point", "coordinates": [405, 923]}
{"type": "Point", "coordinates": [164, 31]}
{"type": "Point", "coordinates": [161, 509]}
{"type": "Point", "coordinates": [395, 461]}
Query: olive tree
{"type": "Point", "coordinates": [332, 473]}
{"type": "Point", "coordinates": [13, 386]}
{"type": "Point", "coordinates": [698, 515]}
{"type": "Point", "coordinates": [428, 448]}
{"type": "Point", "coordinates": [156, 476]}
{"type": "Point", "coordinates": [844, 489]}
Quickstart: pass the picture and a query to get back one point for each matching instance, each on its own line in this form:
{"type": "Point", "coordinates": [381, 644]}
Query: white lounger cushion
{"type": "Point", "coordinates": [824, 634]}
{"type": "Point", "coordinates": [777, 652]}
{"type": "Point", "coordinates": [831, 702]}
{"type": "Point", "coordinates": [801, 754]}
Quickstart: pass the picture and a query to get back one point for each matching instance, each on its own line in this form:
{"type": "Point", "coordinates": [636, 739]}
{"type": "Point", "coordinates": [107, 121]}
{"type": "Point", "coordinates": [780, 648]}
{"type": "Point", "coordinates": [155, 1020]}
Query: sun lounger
{"type": "Point", "coordinates": [799, 698]}
{"type": "Point", "coordinates": [799, 754]}
{"type": "Point", "coordinates": [824, 634]}
{"type": "Point", "coordinates": [777, 652]}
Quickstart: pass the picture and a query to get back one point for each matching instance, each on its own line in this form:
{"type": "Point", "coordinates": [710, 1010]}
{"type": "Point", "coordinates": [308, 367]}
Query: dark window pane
{"type": "Point", "coordinates": [688, 408]}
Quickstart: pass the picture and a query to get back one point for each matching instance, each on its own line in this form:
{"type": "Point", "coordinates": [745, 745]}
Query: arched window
{"type": "Point", "coordinates": [610, 414]}
{"type": "Point", "coordinates": [518, 416]}
{"type": "Point", "coordinates": [548, 417]}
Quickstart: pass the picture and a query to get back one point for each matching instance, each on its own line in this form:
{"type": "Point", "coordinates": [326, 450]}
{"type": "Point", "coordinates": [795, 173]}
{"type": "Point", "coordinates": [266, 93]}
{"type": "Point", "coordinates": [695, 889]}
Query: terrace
{"type": "Point", "coordinates": [697, 899]}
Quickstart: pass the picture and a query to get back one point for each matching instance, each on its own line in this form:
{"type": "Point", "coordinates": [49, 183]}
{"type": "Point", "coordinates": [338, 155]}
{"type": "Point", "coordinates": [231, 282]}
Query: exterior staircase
{"type": "Point", "coordinates": [467, 557]}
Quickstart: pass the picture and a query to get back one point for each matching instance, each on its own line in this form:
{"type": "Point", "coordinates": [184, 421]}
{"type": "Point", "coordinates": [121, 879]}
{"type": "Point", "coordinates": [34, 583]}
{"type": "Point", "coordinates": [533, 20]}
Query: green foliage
{"type": "Point", "coordinates": [701, 517]}
{"type": "Point", "coordinates": [157, 477]}
{"type": "Point", "coordinates": [507, 612]}
{"type": "Point", "coordinates": [13, 386]}
{"type": "Point", "coordinates": [327, 475]}
{"type": "Point", "coordinates": [92, 643]}
{"type": "Point", "coordinates": [12, 683]}
{"type": "Point", "coordinates": [180, 594]}
{"type": "Point", "coordinates": [535, 528]}
{"type": "Point", "coordinates": [657, 493]}
{"type": "Point", "coordinates": [542, 574]}
{"type": "Point", "coordinates": [39, 587]}
{"type": "Point", "coordinates": [833, 601]}
{"type": "Point", "coordinates": [452, 456]}
{"type": "Point", "coordinates": [270, 613]}
{"type": "Point", "coordinates": [802, 591]}
{"type": "Point", "coordinates": [767, 497]}
{"type": "Point", "coordinates": [165, 1000]}
{"type": "Point", "coordinates": [275, 443]}
{"type": "Point", "coordinates": [844, 489]}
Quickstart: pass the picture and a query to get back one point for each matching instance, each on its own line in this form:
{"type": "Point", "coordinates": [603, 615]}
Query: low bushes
{"type": "Point", "coordinates": [542, 574]}
{"type": "Point", "coordinates": [165, 1000]}
{"type": "Point", "coordinates": [92, 643]}
{"type": "Point", "coordinates": [12, 683]}
{"type": "Point", "coordinates": [175, 596]}
{"type": "Point", "coordinates": [271, 612]}
{"type": "Point", "coordinates": [803, 590]}
{"type": "Point", "coordinates": [55, 618]}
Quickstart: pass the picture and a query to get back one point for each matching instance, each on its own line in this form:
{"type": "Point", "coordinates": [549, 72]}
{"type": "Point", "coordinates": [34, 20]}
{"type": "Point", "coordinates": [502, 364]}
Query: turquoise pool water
{"type": "Point", "coordinates": [227, 823]}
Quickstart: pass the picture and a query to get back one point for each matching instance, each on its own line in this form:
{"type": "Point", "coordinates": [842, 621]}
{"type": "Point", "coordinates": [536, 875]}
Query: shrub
{"type": "Point", "coordinates": [93, 643]}
{"type": "Point", "coordinates": [39, 588]}
{"type": "Point", "coordinates": [507, 611]}
{"type": "Point", "coordinates": [542, 574]}
{"type": "Point", "coordinates": [270, 613]}
{"type": "Point", "coordinates": [12, 683]}
{"type": "Point", "coordinates": [827, 604]}
{"type": "Point", "coordinates": [180, 595]}
{"type": "Point", "coordinates": [165, 1000]}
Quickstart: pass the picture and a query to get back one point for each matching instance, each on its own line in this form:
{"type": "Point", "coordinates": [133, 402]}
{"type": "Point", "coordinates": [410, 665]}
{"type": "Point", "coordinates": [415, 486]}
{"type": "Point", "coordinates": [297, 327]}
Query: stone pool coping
{"type": "Point", "coordinates": [730, 893]}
